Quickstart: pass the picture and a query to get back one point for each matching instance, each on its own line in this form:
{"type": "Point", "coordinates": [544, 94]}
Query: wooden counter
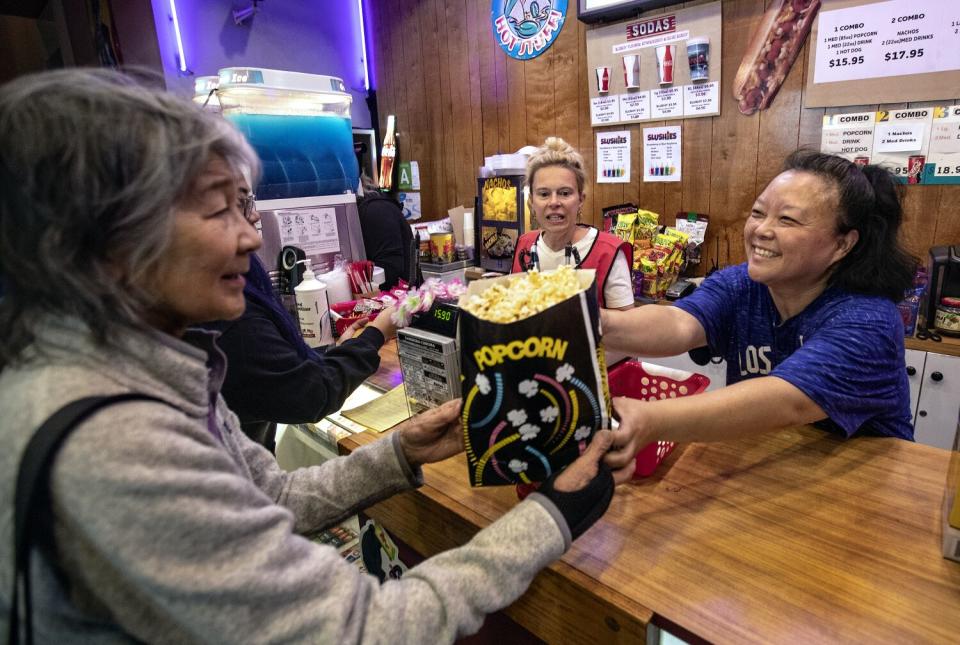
{"type": "Point", "coordinates": [949, 346]}
{"type": "Point", "coordinates": [794, 536]}
{"type": "Point", "coordinates": [388, 376]}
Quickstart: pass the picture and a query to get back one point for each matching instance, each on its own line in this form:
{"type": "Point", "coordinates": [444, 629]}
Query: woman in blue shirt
{"type": "Point", "coordinates": [808, 325]}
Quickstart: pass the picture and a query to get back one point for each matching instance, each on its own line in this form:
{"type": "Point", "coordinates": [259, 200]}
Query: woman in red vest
{"type": "Point", "coordinates": [555, 176]}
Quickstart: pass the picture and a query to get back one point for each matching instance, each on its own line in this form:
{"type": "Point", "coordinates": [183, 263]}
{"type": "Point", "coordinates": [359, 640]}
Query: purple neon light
{"type": "Point", "coordinates": [368, 79]}
{"type": "Point", "coordinates": [176, 31]}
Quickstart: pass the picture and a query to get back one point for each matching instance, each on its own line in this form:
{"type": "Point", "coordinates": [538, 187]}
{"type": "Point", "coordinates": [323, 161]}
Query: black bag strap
{"type": "Point", "coordinates": [32, 488]}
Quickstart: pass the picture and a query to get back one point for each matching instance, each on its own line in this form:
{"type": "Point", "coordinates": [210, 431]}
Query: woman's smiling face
{"type": "Point", "coordinates": [200, 277]}
{"type": "Point", "coordinates": [791, 237]}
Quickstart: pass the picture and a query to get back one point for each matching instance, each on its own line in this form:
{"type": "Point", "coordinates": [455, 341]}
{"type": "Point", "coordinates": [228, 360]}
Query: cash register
{"type": "Point", "coordinates": [430, 357]}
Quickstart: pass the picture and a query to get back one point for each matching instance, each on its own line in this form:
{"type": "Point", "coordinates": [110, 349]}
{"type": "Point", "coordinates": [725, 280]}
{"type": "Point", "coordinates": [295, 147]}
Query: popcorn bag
{"type": "Point", "coordinates": [535, 388]}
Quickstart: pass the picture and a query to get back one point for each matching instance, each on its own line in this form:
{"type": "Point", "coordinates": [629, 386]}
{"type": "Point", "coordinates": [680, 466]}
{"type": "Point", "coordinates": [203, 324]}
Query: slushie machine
{"type": "Point", "coordinates": [299, 124]}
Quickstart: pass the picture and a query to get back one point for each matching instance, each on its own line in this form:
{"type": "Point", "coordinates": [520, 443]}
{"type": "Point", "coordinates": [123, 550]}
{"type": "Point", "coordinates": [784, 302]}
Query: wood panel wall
{"type": "Point", "coordinates": [459, 98]}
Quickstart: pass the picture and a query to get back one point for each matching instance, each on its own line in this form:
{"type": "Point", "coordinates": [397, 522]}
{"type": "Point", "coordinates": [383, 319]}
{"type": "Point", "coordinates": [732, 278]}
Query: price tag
{"type": "Point", "coordinates": [895, 38]}
{"type": "Point", "coordinates": [604, 109]}
{"type": "Point", "coordinates": [635, 107]}
{"type": "Point", "coordinates": [701, 99]}
{"type": "Point", "coordinates": [666, 103]}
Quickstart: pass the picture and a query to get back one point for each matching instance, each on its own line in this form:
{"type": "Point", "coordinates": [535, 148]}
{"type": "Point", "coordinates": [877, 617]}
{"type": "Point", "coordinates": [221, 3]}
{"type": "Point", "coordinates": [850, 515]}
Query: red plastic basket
{"type": "Point", "coordinates": [345, 309]}
{"type": "Point", "coordinates": [649, 382]}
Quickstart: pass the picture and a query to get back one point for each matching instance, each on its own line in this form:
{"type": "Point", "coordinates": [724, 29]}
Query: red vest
{"type": "Point", "coordinates": [600, 256]}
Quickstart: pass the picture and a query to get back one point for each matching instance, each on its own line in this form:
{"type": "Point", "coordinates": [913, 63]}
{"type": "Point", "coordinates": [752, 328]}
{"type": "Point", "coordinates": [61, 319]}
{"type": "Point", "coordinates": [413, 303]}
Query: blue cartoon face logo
{"type": "Point", "coordinates": [524, 29]}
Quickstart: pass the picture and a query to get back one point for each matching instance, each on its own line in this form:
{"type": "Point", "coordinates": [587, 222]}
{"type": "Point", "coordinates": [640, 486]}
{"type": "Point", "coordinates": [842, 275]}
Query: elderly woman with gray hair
{"type": "Point", "coordinates": [120, 228]}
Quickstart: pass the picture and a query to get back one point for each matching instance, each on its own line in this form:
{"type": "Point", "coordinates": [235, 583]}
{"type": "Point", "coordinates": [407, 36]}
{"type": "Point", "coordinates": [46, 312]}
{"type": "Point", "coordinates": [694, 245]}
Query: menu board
{"type": "Point", "coordinates": [895, 38]}
{"type": "Point", "coordinates": [919, 145]}
{"type": "Point", "coordinates": [884, 51]}
{"type": "Point", "coordinates": [849, 135]}
{"type": "Point", "coordinates": [900, 142]}
{"type": "Point", "coordinates": [661, 65]}
{"type": "Point", "coordinates": [943, 158]}
{"type": "Point", "coordinates": [613, 157]}
{"type": "Point", "coordinates": [662, 152]}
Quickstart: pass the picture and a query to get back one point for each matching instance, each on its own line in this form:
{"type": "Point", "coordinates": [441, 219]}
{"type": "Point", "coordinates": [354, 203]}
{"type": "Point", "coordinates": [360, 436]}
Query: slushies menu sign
{"type": "Point", "coordinates": [895, 38]}
{"type": "Point", "coordinates": [524, 29]}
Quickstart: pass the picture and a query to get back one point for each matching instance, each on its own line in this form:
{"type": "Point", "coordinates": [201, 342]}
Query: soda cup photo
{"type": "Point", "coordinates": [698, 57]}
{"type": "Point", "coordinates": [603, 79]}
{"type": "Point", "coordinates": [631, 71]}
{"type": "Point", "coordinates": [665, 56]}
{"type": "Point", "coordinates": [915, 165]}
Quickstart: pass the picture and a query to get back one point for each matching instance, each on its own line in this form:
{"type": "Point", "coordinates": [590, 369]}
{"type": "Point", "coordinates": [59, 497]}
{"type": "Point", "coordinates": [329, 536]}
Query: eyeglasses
{"type": "Point", "coordinates": [247, 204]}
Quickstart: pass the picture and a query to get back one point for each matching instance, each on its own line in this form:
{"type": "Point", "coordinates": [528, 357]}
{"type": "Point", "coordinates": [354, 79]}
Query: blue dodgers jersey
{"type": "Point", "coordinates": [844, 351]}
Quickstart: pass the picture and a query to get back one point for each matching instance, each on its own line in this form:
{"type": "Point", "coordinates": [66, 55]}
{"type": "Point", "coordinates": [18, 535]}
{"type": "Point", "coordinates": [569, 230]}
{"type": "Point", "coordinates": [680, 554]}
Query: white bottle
{"type": "Point", "coordinates": [468, 228]}
{"type": "Point", "coordinates": [338, 284]}
{"type": "Point", "coordinates": [313, 309]}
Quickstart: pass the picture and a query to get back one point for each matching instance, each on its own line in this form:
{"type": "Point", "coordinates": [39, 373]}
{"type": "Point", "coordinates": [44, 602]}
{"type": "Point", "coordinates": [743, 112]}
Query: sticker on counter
{"type": "Point", "coordinates": [701, 99]}
{"type": "Point", "coordinates": [312, 229]}
{"type": "Point", "coordinates": [410, 205]}
{"type": "Point", "coordinates": [666, 103]}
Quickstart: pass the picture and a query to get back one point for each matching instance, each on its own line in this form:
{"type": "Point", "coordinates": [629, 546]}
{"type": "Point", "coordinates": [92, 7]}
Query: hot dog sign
{"type": "Point", "coordinates": [773, 48]}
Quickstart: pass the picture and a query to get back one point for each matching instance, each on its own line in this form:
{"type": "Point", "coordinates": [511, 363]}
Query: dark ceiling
{"type": "Point", "coordinates": [22, 8]}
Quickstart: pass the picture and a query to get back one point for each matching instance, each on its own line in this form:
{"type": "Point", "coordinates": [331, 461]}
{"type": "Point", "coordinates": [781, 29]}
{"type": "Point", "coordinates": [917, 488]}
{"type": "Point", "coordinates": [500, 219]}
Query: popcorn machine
{"type": "Point", "coordinates": [503, 218]}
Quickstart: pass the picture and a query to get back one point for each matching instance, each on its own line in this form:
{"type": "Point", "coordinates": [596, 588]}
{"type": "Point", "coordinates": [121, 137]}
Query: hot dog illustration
{"type": "Point", "coordinates": [773, 48]}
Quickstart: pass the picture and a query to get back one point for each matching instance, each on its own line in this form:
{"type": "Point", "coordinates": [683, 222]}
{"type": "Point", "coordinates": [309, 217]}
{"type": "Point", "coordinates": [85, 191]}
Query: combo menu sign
{"type": "Point", "coordinates": [919, 145]}
{"type": "Point", "coordinates": [849, 135]}
{"type": "Point", "coordinates": [896, 38]}
{"type": "Point", "coordinates": [943, 165]}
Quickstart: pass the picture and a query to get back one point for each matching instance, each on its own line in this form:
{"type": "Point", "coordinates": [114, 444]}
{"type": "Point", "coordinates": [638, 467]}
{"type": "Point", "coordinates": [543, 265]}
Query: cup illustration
{"type": "Point", "coordinates": [603, 79]}
{"type": "Point", "coordinates": [631, 71]}
{"type": "Point", "coordinates": [665, 56]}
{"type": "Point", "coordinates": [698, 56]}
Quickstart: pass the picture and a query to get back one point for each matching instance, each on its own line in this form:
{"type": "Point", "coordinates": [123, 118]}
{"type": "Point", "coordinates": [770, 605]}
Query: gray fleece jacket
{"type": "Point", "coordinates": [170, 526]}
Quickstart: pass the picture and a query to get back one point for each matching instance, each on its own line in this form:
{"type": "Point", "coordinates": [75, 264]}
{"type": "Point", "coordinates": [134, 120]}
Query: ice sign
{"type": "Point", "coordinates": [241, 76]}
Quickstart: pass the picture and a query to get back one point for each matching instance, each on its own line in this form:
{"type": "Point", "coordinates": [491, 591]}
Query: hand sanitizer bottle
{"type": "Point", "coordinates": [313, 309]}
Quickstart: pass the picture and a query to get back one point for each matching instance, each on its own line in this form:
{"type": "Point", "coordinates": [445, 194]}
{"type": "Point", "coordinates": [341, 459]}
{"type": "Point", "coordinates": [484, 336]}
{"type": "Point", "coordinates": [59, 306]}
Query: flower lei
{"type": "Point", "coordinates": [420, 299]}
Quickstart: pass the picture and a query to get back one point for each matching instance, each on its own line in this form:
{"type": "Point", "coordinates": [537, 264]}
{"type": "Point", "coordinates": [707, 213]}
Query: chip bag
{"type": "Point", "coordinates": [535, 388]}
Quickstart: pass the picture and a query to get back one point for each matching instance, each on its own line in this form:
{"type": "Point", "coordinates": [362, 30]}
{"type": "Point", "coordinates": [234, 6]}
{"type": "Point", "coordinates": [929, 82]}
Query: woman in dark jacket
{"type": "Point", "coordinates": [387, 237]}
